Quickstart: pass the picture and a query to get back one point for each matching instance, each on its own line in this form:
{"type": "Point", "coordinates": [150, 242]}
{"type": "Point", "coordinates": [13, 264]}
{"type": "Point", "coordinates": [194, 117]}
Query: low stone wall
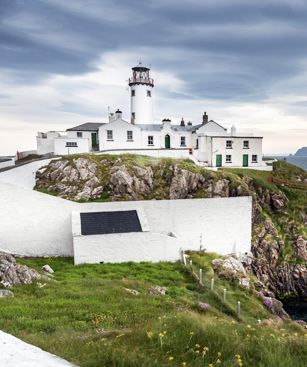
{"type": "Point", "coordinates": [7, 162]}
{"type": "Point", "coordinates": [157, 153]}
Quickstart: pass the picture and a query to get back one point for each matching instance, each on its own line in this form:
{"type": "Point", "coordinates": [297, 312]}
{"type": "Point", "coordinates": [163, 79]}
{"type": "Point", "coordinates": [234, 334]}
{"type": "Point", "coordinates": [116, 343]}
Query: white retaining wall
{"type": "Point", "coordinates": [36, 224]}
{"type": "Point", "coordinates": [7, 163]}
{"type": "Point", "coordinates": [158, 153]}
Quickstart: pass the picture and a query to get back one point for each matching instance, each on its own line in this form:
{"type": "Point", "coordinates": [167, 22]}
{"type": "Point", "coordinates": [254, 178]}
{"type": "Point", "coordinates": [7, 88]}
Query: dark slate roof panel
{"type": "Point", "coordinates": [88, 126]}
{"type": "Point", "coordinates": [110, 222]}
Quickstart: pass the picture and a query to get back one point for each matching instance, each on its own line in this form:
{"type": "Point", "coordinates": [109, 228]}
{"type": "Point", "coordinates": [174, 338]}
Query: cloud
{"type": "Point", "coordinates": [64, 62]}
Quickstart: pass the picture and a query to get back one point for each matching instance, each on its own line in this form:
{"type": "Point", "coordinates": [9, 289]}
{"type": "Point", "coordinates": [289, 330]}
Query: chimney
{"type": "Point", "coordinates": [233, 130]}
{"type": "Point", "coordinates": [118, 114]}
{"type": "Point", "coordinates": [205, 118]}
{"type": "Point", "coordinates": [189, 123]}
{"type": "Point", "coordinates": [182, 122]}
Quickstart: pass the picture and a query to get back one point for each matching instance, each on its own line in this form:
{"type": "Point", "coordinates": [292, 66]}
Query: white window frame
{"type": "Point", "coordinates": [110, 135]}
{"type": "Point", "coordinates": [71, 144]}
{"type": "Point", "coordinates": [150, 140]}
{"type": "Point", "coordinates": [229, 146]}
{"type": "Point", "coordinates": [254, 160]}
{"type": "Point", "coordinates": [129, 135]}
{"type": "Point", "coordinates": [183, 141]}
{"type": "Point", "coordinates": [245, 146]}
{"type": "Point", "coordinates": [227, 159]}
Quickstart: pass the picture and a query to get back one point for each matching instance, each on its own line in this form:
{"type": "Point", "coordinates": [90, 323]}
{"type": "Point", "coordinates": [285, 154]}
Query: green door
{"type": "Point", "coordinates": [94, 141]}
{"type": "Point", "coordinates": [167, 142]}
{"type": "Point", "coordinates": [245, 160]}
{"type": "Point", "coordinates": [218, 160]}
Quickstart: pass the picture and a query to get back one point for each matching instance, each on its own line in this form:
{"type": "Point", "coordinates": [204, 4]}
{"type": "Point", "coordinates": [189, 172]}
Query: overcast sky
{"type": "Point", "coordinates": [63, 62]}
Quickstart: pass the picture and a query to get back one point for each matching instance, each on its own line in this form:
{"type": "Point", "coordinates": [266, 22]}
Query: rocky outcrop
{"type": "Point", "coordinates": [12, 273]}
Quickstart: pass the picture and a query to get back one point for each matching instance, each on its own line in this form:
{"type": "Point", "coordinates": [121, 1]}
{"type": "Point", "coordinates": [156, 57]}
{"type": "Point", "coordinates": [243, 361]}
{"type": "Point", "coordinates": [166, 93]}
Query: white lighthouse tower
{"type": "Point", "coordinates": [141, 87]}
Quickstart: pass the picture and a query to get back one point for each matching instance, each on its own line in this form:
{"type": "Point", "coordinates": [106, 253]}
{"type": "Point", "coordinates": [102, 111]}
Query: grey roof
{"type": "Point", "coordinates": [158, 127]}
{"type": "Point", "coordinates": [88, 126]}
{"type": "Point", "coordinates": [150, 127]}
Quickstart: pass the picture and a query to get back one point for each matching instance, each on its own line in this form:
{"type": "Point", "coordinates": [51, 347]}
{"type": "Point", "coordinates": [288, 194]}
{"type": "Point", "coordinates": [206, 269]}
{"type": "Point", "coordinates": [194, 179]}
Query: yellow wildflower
{"type": "Point", "coordinates": [197, 346]}
{"type": "Point", "coordinates": [149, 334]}
{"type": "Point", "coordinates": [219, 354]}
{"type": "Point", "coordinates": [170, 358]}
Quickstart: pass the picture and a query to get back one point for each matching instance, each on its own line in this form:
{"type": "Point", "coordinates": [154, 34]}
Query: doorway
{"type": "Point", "coordinates": [245, 160]}
{"type": "Point", "coordinates": [167, 142]}
{"type": "Point", "coordinates": [218, 160]}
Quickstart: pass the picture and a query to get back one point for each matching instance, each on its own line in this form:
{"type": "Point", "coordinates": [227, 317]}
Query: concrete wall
{"type": "Point", "coordinates": [158, 153]}
{"type": "Point", "coordinates": [9, 162]}
{"type": "Point", "coordinates": [36, 224]}
{"type": "Point", "coordinates": [60, 148]}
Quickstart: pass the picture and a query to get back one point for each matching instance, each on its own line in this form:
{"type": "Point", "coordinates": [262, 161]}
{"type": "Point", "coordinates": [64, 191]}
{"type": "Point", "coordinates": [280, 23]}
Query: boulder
{"type": "Point", "coordinates": [183, 183]}
{"type": "Point", "coordinates": [6, 293]}
{"type": "Point", "coordinates": [48, 269]}
{"type": "Point", "coordinates": [12, 273]}
{"type": "Point", "coordinates": [157, 291]}
{"type": "Point", "coordinates": [132, 291]}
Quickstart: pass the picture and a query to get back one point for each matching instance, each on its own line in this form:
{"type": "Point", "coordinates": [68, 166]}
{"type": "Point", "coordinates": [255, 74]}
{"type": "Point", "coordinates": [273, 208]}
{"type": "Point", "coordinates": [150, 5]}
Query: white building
{"type": "Point", "coordinates": [206, 143]}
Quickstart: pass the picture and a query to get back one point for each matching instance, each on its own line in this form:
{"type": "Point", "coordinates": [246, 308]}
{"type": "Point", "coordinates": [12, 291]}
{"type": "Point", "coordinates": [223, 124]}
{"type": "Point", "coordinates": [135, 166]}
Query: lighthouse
{"type": "Point", "coordinates": [141, 88]}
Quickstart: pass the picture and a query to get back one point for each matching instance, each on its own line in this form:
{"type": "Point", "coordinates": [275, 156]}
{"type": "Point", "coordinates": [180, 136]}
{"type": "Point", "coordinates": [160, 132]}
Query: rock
{"type": "Point", "coordinates": [221, 188]}
{"type": "Point", "coordinates": [244, 282]}
{"type": "Point", "coordinates": [132, 291]}
{"type": "Point", "coordinates": [229, 264]}
{"type": "Point", "coordinates": [70, 174]}
{"type": "Point", "coordinates": [121, 181]}
{"type": "Point", "coordinates": [183, 183]}
{"type": "Point", "coordinates": [301, 248]}
{"type": "Point", "coordinates": [12, 273]}
{"type": "Point", "coordinates": [277, 201]}
{"type": "Point", "coordinates": [48, 269]}
{"type": "Point", "coordinates": [275, 306]}
{"type": "Point", "coordinates": [157, 291]}
{"type": "Point", "coordinates": [86, 168]}
{"type": "Point", "coordinates": [6, 293]}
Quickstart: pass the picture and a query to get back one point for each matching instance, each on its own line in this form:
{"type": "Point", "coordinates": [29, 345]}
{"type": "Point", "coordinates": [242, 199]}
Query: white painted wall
{"type": "Point", "coordinates": [36, 224]}
{"type": "Point", "coordinates": [60, 147]}
{"type": "Point", "coordinates": [219, 147]}
{"type": "Point", "coordinates": [33, 223]}
{"type": "Point", "coordinates": [7, 163]}
{"type": "Point", "coordinates": [141, 104]}
{"type": "Point", "coordinates": [158, 153]}
{"type": "Point", "coordinates": [23, 176]}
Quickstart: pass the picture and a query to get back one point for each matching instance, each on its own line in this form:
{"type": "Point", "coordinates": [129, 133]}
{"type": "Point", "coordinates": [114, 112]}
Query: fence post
{"type": "Point", "coordinates": [224, 294]}
{"type": "Point", "coordinates": [239, 308]}
{"type": "Point", "coordinates": [212, 284]}
{"type": "Point", "coordinates": [191, 262]}
{"type": "Point", "coordinates": [201, 276]}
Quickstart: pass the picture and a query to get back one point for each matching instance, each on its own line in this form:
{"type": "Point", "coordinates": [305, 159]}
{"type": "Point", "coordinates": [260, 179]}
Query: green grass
{"type": "Point", "coordinates": [87, 317]}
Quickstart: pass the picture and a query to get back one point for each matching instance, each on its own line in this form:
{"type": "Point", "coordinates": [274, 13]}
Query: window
{"type": "Point", "coordinates": [228, 144]}
{"type": "Point", "coordinates": [246, 144]}
{"type": "Point", "coordinates": [182, 141]}
{"type": "Point", "coordinates": [148, 93]}
{"type": "Point", "coordinates": [129, 135]}
{"type": "Point", "coordinates": [228, 158]}
{"type": "Point", "coordinates": [150, 140]}
{"type": "Point", "coordinates": [109, 134]}
{"type": "Point", "coordinates": [132, 93]}
{"type": "Point", "coordinates": [196, 144]}
{"type": "Point", "coordinates": [254, 158]}
{"type": "Point", "coordinates": [79, 134]}
{"type": "Point", "coordinates": [71, 144]}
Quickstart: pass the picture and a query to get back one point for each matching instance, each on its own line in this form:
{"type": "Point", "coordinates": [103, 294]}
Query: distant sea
{"type": "Point", "coordinates": [297, 161]}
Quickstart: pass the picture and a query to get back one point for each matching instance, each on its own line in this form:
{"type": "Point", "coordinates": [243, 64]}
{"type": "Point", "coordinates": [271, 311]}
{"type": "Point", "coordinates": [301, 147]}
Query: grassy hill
{"type": "Point", "coordinates": [88, 316]}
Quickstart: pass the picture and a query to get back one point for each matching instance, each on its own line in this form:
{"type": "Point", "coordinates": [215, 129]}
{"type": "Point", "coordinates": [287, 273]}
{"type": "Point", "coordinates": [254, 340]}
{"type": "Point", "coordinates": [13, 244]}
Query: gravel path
{"type": "Point", "coordinates": [16, 353]}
